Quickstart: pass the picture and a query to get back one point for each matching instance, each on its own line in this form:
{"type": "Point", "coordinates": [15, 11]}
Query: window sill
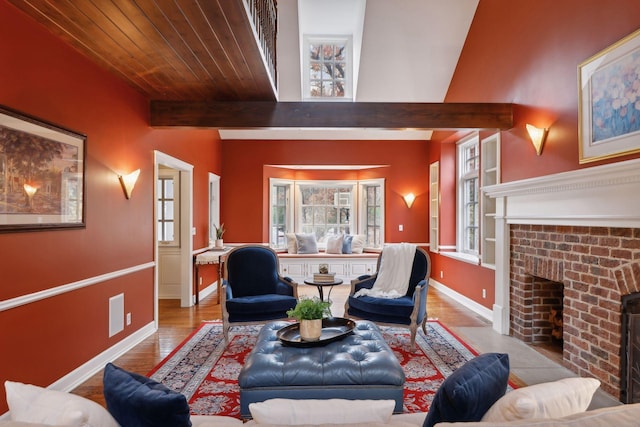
{"type": "Point", "coordinates": [471, 259]}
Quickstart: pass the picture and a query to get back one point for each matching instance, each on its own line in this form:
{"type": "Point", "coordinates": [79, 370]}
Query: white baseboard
{"type": "Point", "coordinates": [208, 290]}
{"type": "Point", "coordinates": [465, 301]}
{"type": "Point", "coordinates": [79, 375]}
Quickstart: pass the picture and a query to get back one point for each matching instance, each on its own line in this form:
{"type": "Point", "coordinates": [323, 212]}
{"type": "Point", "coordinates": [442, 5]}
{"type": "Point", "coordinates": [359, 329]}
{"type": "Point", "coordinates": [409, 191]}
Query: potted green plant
{"type": "Point", "coordinates": [219, 233]}
{"type": "Point", "coordinates": [310, 312]}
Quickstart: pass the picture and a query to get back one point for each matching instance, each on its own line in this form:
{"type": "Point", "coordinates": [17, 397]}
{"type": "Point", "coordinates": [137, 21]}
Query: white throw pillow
{"type": "Point", "coordinates": [307, 243]}
{"type": "Point", "coordinates": [33, 404]}
{"type": "Point", "coordinates": [547, 400]}
{"type": "Point", "coordinates": [291, 412]}
{"type": "Point", "coordinates": [334, 244]}
{"type": "Point", "coordinates": [615, 416]}
{"type": "Point", "coordinates": [292, 243]}
{"type": "Point", "coordinates": [357, 244]}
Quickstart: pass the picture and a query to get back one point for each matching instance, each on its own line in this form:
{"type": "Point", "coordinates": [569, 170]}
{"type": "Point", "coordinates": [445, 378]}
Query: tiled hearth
{"type": "Point", "coordinates": [577, 233]}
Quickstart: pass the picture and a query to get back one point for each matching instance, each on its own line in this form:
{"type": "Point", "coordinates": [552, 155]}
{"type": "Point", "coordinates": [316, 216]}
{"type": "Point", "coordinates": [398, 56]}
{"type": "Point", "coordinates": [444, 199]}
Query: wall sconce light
{"type": "Point", "coordinates": [538, 137]}
{"type": "Point", "coordinates": [408, 199]}
{"type": "Point", "coordinates": [128, 182]}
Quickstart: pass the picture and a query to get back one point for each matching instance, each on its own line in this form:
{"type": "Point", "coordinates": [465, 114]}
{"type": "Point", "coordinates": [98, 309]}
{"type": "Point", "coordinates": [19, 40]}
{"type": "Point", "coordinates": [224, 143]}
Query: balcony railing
{"type": "Point", "coordinates": [264, 16]}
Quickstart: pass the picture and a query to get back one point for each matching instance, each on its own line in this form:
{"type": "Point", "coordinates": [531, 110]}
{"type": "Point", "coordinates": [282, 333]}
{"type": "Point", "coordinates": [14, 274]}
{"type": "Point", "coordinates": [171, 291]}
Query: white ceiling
{"type": "Point", "coordinates": [409, 51]}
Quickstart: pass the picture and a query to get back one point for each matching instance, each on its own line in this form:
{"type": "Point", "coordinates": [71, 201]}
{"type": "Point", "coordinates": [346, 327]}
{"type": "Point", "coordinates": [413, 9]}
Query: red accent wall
{"type": "Point", "coordinates": [526, 53]}
{"type": "Point", "coordinates": [43, 77]}
{"type": "Point", "coordinates": [246, 175]}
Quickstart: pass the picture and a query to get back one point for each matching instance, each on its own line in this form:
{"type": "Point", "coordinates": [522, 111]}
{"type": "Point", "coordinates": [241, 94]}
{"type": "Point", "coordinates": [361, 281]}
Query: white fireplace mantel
{"type": "Point", "coordinates": [599, 196]}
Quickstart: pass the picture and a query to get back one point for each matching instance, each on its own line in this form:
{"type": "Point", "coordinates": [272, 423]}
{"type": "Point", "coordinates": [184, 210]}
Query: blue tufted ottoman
{"type": "Point", "coordinates": [360, 366]}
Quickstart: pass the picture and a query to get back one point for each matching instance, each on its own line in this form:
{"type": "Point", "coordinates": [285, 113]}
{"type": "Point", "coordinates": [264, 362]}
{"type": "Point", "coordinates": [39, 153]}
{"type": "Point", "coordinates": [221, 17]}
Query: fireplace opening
{"type": "Point", "coordinates": [546, 311]}
{"type": "Point", "coordinates": [544, 307]}
{"type": "Point", "coordinates": [630, 349]}
{"type": "Point", "coordinates": [557, 324]}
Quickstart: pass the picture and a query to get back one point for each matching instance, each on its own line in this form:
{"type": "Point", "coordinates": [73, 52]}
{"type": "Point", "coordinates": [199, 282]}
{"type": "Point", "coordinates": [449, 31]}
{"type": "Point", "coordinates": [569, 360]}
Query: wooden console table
{"type": "Point", "coordinates": [210, 256]}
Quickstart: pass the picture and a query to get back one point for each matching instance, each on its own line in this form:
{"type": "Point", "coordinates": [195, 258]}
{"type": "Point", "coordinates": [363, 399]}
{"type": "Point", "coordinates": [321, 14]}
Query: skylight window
{"type": "Point", "coordinates": [328, 66]}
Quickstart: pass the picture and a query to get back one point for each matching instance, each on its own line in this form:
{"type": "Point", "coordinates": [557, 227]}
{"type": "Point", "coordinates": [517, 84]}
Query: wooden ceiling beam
{"type": "Point", "coordinates": [375, 115]}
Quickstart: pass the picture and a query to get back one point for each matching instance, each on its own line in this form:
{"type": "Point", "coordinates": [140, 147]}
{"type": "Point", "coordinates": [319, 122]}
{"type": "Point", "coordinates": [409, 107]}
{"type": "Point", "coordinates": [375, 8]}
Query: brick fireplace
{"type": "Point", "coordinates": [597, 267]}
{"type": "Point", "coordinates": [577, 235]}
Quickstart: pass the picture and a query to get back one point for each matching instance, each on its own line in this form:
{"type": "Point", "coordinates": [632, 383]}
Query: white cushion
{"type": "Point", "coordinates": [547, 400]}
{"type": "Point", "coordinates": [214, 421]}
{"type": "Point", "coordinates": [334, 244]}
{"type": "Point", "coordinates": [291, 412]}
{"type": "Point", "coordinates": [10, 423]}
{"type": "Point", "coordinates": [357, 244]}
{"type": "Point", "coordinates": [307, 243]}
{"type": "Point", "coordinates": [616, 416]}
{"type": "Point", "coordinates": [292, 243]}
{"type": "Point", "coordinates": [33, 404]}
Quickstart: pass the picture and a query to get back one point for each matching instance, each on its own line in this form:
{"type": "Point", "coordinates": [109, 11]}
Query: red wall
{"type": "Point", "coordinates": [245, 183]}
{"type": "Point", "coordinates": [526, 53]}
{"type": "Point", "coordinates": [41, 76]}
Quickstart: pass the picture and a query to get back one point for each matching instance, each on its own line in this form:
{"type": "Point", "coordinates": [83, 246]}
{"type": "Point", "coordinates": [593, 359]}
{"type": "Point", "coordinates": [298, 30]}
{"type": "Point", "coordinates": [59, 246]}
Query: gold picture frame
{"type": "Point", "coordinates": [609, 101]}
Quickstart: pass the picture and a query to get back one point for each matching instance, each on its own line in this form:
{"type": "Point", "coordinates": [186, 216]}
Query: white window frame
{"type": "Point", "coordinates": [330, 184]}
{"type": "Point", "coordinates": [462, 251]}
{"type": "Point", "coordinates": [362, 187]}
{"type": "Point", "coordinates": [174, 174]}
{"type": "Point", "coordinates": [358, 209]}
{"type": "Point", "coordinates": [289, 214]}
{"type": "Point", "coordinates": [214, 206]}
{"type": "Point", "coordinates": [306, 74]}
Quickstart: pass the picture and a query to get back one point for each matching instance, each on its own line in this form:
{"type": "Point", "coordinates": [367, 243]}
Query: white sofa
{"type": "Point", "coordinates": [618, 416]}
{"type": "Point", "coordinates": [35, 406]}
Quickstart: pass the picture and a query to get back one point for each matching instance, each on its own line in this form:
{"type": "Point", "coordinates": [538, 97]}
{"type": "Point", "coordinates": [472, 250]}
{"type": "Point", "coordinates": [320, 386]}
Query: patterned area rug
{"type": "Point", "coordinates": [206, 371]}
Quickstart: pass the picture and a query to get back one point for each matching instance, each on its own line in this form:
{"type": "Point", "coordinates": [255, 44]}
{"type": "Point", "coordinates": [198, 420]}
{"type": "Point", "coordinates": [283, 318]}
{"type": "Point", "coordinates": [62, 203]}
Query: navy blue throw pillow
{"type": "Point", "coordinates": [468, 393]}
{"type": "Point", "coordinates": [135, 400]}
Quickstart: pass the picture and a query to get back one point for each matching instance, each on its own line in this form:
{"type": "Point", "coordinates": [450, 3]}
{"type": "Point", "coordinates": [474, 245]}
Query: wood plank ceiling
{"type": "Point", "coordinates": [168, 50]}
{"type": "Point", "coordinates": [189, 57]}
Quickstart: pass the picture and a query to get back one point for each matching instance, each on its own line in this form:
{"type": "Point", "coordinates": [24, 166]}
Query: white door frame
{"type": "Point", "coordinates": [186, 226]}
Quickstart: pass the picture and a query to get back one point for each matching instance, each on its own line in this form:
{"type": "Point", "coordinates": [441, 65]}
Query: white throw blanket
{"type": "Point", "coordinates": [394, 273]}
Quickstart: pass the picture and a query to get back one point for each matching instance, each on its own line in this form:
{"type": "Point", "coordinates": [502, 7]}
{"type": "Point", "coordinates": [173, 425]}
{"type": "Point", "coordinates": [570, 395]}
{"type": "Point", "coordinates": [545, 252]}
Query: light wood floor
{"type": "Point", "coordinates": [176, 323]}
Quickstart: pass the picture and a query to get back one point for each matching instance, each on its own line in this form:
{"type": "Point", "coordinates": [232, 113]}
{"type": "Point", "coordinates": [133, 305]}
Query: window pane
{"type": "Point", "coordinates": [318, 215]}
{"type": "Point", "coordinates": [315, 88]}
{"type": "Point", "coordinates": [327, 69]}
{"type": "Point", "coordinates": [332, 215]}
{"type": "Point", "coordinates": [327, 52]}
{"type": "Point", "coordinates": [168, 231]}
{"type": "Point", "coordinates": [168, 188]}
{"type": "Point", "coordinates": [307, 215]}
{"type": "Point", "coordinates": [315, 71]}
{"type": "Point", "coordinates": [327, 88]}
{"type": "Point", "coordinates": [314, 51]}
{"type": "Point", "coordinates": [168, 210]}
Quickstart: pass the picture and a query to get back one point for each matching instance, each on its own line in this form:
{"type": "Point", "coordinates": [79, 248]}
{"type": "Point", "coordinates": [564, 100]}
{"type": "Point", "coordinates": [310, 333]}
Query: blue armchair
{"type": "Point", "coordinates": [410, 310]}
{"type": "Point", "coordinates": [252, 290]}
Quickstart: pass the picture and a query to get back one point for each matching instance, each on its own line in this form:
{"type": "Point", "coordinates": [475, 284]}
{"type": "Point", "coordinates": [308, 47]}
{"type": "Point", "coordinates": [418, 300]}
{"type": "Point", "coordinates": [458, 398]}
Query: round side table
{"type": "Point", "coordinates": [322, 285]}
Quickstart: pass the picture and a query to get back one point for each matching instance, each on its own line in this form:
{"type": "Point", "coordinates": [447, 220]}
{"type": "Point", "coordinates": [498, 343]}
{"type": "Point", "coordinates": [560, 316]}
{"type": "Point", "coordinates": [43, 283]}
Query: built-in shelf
{"type": "Point", "coordinates": [490, 175]}
{"type": "Point", "coordinates": [434, 206]}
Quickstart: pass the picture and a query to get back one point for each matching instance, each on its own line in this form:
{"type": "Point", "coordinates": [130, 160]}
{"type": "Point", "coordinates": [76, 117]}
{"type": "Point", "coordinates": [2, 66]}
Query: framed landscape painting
{"type": "Point", "coordinates": [609, 110]}
{"type": "Point", "coordinates": [41, 174]}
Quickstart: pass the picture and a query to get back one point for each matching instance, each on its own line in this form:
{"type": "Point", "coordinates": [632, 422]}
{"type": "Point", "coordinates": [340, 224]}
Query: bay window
{"type": "Point", "coordinates": [326, 208]}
